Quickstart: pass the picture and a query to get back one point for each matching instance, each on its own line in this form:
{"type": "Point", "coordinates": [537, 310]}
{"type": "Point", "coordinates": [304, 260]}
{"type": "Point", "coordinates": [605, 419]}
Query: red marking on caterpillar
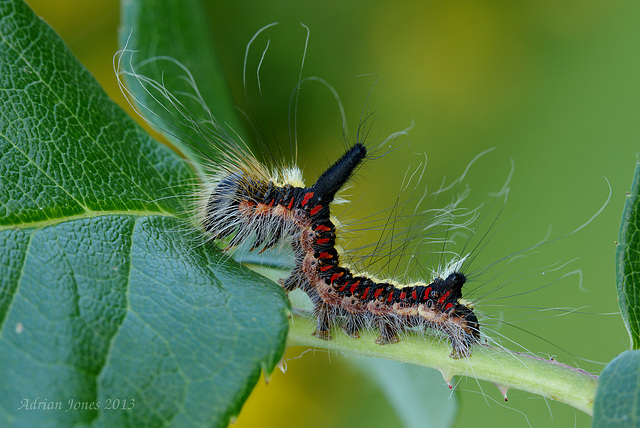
{"type": "Point", "coordinates": [306, 198]}
{"type": "Point", "coordinates": [315, 210]}
{"type": "Point", "coordinates": [335, 276]}
{"type": "Point", "coordinates": [364, 295]}
{"type": "Point", "coordinates": [443, 298]}
{"type": "Point", "coordinates": [353, 287]}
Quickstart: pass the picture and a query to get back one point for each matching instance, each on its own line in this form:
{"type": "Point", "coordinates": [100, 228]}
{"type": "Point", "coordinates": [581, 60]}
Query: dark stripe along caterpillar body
{"type": "Point", "coordinates": [241, 206]}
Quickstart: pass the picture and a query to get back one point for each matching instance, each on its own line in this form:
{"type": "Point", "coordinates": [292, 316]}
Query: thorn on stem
{"type": "Point", "coordinates": [503, 390]}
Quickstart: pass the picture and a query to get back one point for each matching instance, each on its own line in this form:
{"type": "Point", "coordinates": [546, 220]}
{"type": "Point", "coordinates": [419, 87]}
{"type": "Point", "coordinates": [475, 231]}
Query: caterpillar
{"type": "Point", "coordinates": [242, 205]}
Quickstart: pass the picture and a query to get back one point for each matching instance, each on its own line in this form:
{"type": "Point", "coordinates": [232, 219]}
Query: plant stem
{"type": "Point", "coordinates": [502, 367]}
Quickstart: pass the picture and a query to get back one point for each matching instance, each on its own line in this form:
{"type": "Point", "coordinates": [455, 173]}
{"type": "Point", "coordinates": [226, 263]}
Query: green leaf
{"type": "Point", "coordinates": [628, 262]}
{"type": "Point", "coordinates": [106, 296]}
{"type": "Point", "coordinates": [617, 402]}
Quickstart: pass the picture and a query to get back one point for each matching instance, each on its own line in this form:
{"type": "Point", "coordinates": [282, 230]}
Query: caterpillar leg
{"type": "Point", "coordinates": [350, 326]}
{"type": "Point", "coordinates": [275, 238]}
{"type": "Point", "coordinates": [293, 281]}
{"type": "Point", "coordinates": [387, 334]}
{"type": "Point", "coordinates": [324, 321]}
{"type": "Point", "coordinates": [259, 240]}
{"type": "Point", "coordinates": [461, 346]}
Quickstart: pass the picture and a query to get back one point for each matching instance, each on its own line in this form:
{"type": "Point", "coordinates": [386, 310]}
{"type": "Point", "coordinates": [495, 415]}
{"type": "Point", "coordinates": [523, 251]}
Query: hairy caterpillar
{"type": "Point", "coordinates": [242, 205]}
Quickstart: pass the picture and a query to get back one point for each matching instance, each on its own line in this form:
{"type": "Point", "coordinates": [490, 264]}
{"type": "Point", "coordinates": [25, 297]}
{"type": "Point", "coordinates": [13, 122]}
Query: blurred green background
{"type": "Point", "coordinates": [553, 85]}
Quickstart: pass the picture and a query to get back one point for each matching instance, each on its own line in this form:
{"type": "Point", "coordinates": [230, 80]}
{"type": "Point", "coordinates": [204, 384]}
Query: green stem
{"type": "Point", "coordinates": [502, 367]}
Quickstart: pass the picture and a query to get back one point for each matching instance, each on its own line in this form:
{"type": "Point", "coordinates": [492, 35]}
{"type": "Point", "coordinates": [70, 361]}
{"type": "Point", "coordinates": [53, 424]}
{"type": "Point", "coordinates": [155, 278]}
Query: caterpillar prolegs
{"type": "Point", "coordinates": [241, 206]}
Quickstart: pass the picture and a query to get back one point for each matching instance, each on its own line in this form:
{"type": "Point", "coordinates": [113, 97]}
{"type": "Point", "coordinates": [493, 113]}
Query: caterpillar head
{"type": "Point", "coordinates": [221, 205]}
{"type": "Point", "coordinates": [445, 310]}
{"type": "Point", "coordinates": [231, 206]}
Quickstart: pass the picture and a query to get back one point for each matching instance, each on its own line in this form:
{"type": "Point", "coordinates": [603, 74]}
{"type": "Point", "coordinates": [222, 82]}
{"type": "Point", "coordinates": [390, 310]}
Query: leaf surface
{"type": "Point", "coordinates": [108, 302]}
{"type": "Point", "coordinates": [617, 402]}
{"type": "Point", "coordinates": [628, 262]}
